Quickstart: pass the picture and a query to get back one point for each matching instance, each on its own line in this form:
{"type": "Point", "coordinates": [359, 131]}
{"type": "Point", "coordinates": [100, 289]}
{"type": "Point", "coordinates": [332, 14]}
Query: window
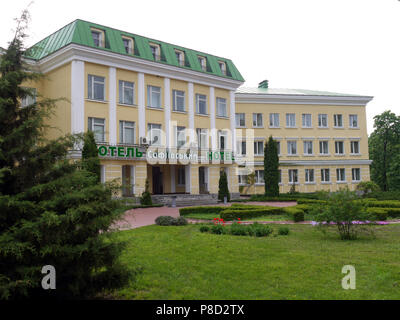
{"type": "Point", "coordinates": [308, 147]}
{"type": "Point", "coordinates": [306, 120]}
{"type": "Point", "coordinates": [97, 125]}
{"type": "Point", "coordinates": [180, 56]}
{"type": "Point", "coordinates": [309, 177]}
{"type": "Point", "coordinates": [155, 51]}
{"type": "Point", "coordinates": [222, 66]}
{"type": "Point", "coordinates": [241, 147]}
{"type": "Point", "coordinates": [202, 62]}
{"type": "Point", "coordinates": [126, 92]}
{"type": "Point", "coordinates": [340, 175]}
{"type": "Point", "coordinates": [257, 120]}
{"type": "Point", "coordinates": [154, 134]}
{"type": "Point", "coordinates": [96, 88]}
{"type": "Point", "coordinates": [293, 177]}
{"type": "Point", "coordinates": [259, 176]}
{"type": "Point", "coordinates": [202, 138]}
{"type": "Point", "coordinates": [240, 120]}
{"type": "Point", "coordinates": [338, 121]}
{"type": "Point", "coordinates": [97, 37]}
{"type": "Point", "coordinates": [354, 147]}
{"type": "Point", "coordinates": [274, 120]}
{"type": "Point", "coordinates": [324, 147]}
{"type": "Point", "coordinates": [353, 121]}
{"type": "Point", "coordinates": [222, 139]}
{"type": "Point", "coordinates": [325, 175]}
{"type": "Point", "coordinates": [355, 174]}
{"type": "Point", "coordinates": [339, 147]}
{"type": "Point", "coordinates": [243, 179]}
{"type": "Point", "coordinates": [323, 120]}
{"type": "Point", "coordinates": [290, 120]}
{"type": "Point", "coordinates": [292, 147]}
{"type": "Point", "coordinates": [29, 99]}
{"type": "Point", "coordinates": [278, 143]}
{"type": "Point", "coordinates": [127, 132]}
{"type": "Point", "coordinates": [221, 107]}
{"type": "Point", "coordinates": [181, 176]}
{"type": "Point", "coordinates": [128, 45]}
{"type": "Point", "coordinates": [258, 148]}
{"type": "Point", "coordinates": [201, 104]}
{"type": "Point", "coordinates": [154, 97]}
{"type": "Point", "coordinates": [280, 176]}
{"type": "Point", "coordinates": [180, 136]}
{"type": "Point", "coordinates": [178, 100]}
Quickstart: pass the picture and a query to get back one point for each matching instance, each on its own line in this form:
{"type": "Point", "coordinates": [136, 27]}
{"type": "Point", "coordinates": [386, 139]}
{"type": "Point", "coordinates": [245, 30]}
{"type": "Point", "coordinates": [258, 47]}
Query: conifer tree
{"type": "Point", "coordinates": [90, 157]}
{"type": "Point", "coordinates": [52, 210]}
{"type": "Point", "coordinates": [271, 168]}
{"type": "Point", "coordinates": [223, 186]}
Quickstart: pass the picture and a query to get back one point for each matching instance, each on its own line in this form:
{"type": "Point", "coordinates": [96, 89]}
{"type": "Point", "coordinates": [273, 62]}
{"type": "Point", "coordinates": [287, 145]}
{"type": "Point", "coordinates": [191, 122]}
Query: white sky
{"type": "Point", "coordinates": [347, 46]}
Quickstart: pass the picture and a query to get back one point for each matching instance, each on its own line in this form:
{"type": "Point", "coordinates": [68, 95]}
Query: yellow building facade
{"type": "Point", "coordinates": [177, 117]}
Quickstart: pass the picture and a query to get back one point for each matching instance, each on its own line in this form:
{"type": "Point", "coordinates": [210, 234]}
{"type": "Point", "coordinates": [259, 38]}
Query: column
{"type": "Point", "coordinates": [192, 137]}
{"type": "Point", "coordinates": [173, 183]}
{"type": "Point", "coordinates": [188, 180]}
{"type": "Point", "coordinates": [77, 96]}
{"type": "Point", "coordinates": [214, 144]}
{"type": "Point", "coordinates": [112, 92]}
{"type": "Point", "coordinates": [167, 110]}
{"type": "Point", "coordinates": [233, 120]}
{"type": "Point", "coordinates": [141, 105]}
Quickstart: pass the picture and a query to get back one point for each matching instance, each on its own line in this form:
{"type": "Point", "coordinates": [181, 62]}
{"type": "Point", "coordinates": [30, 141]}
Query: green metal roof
{"type": "Point", "coordinates": [79, 32]}
{"type": "Point", "coordinates": [301, 92]}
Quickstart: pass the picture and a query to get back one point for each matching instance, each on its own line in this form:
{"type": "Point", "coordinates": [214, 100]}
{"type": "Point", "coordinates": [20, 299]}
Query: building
{"type": "Point", "coordinates": [177, 116]}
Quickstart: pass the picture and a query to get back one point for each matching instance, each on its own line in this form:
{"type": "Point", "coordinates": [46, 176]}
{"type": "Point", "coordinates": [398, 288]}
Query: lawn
{"type": "Point", "coordinates": [183, 263]}
{"type": "Point", "coordinates": [270, 217]}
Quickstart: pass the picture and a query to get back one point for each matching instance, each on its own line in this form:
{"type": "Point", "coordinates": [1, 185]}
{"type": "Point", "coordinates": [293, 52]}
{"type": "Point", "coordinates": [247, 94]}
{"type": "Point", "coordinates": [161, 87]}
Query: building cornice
{"type": "Point", "coordinates": [303, 99]}
{"type": "Point", "coordinates": [78, 52]}
{"type": "Point", "coordinates": [315, 162]}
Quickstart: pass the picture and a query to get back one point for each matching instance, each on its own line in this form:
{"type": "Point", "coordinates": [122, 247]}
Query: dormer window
{"type": "Point", "coordinates": [222, 66]}
{"type": "Point", "coordinates": [180, 56]}
{"type": "Point", "coordinates": [155, 51]}
{"type": "Point", "coordinates": [203, 63]}
{"type": "Point", "coordinates": [128, 45]}
{"type": "Point", "coordinates": [98, 37]}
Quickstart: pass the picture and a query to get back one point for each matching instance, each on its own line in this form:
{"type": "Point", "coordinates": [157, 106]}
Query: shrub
{"type": "Point", "coordinates": [382, 203]}
{"type": "Point", "coordinates": [237, 229]}
{"type": "Point", "coordinates": [367, 187]}
{"type": "Point", "coordinates": [259, 230]}
{"type": "Point", "coordinates": [294, 213]}
{"type": "Point", "coordinates": [310, 201]}
{"type": "Point", "coordinates": [205, 209]}
{"type": "Point", "coordinates": [342, 209]}
{"type": "Point", "coordinates": [305, 207]}
{"type": "Point", "coordinates": [218, 229]}
{"type": "Point", "coordinates": [379, 213]}
{"type": "Point", "coordinates": [204, 229]}
{"type": "Point", "coordinates": [165, 221]}
{"type": "Point", "coordinates": [180, 221]}
{"type": "Point", "coordinates": [247, 213]}
{"type": "Point", "coordinates": [146, 196]}
{"type": "Point", "coordinates": [223, 190]}
{"type": "Point", "coordinates": [385, 195]}
{"type": "Point", "coordinates": [393, 212]}
{"type": "Point", "coordinates": [283, 231]}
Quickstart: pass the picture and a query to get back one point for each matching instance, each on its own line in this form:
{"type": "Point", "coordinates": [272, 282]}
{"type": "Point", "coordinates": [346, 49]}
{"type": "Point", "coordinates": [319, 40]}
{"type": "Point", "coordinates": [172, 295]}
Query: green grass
{"type": "Point", "coordinates": [271, 217]}
{"type": "Point", "coordinates": [183, 263]}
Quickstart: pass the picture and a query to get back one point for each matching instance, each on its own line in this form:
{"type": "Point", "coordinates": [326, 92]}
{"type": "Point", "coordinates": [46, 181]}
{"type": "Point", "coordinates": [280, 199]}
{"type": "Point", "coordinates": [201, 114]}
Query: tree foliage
{"type": "Point", "coordinates": [384, 150]}
{"type": "Point", "coordinates": [223, 189]}
{"type": "Point", "coordinates": [271, 168]}
{"type": "Point", "coordinates": [53, 211]}
{"type": "Point", "coordinates": [90, 157]}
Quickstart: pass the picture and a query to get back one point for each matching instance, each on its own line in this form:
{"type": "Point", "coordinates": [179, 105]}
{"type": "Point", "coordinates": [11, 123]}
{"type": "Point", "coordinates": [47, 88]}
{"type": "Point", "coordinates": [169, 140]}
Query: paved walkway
{"type": "Point", "coordinates": [146, 216]}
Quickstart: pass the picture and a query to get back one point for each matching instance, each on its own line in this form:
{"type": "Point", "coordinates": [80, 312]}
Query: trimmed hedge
{"type": "Point", "coordinates": [383, 203]}
{"type": "Point", "coordinates": [379, 213]}
{"type": "Point", "coordinates": [393, 212]}
{"type": "Point", "coordinates": [310, 201]}
{"type": "Point", "coordinates": [295, 214]}
{"type": "Point", "coordinates": [205, 209]}
{"type": "Point", "coordinates": [242, 213]}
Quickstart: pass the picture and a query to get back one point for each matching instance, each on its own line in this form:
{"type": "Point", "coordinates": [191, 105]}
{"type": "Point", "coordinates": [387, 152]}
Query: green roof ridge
{"type": "Point", "coordinates": [78, 32]}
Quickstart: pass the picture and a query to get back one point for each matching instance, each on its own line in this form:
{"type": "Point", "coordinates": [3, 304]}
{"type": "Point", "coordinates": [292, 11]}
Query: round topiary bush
{"type": "Point", "coordinates": [165, 221]}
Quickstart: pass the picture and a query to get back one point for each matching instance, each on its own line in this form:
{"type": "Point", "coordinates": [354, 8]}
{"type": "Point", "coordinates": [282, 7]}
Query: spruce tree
{"type": "Point", "coordinates": [146, 195]}
{"type": "Point", "coordinates": [223, 189]}
{"type": "Point", "coordinates": [90, 156]}
{"type": "Point", "coordinates": [271, 168]}
{"type": "Point", "coordinates": [52, 210]}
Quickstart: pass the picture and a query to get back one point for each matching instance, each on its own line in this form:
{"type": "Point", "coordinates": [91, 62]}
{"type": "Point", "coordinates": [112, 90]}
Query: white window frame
{"type": "Point", "coordinates": [278, 144]}
{"type": "Point", "coordinates": [336, 121]}
{"type": "Point", "coordinates": [157, 52]}
{"type": "Point", "coordinates": [290, 148]}
{"type": "Point", "coordinates": [223, 133]}
{"type": "Point", "coordinates": [352, 143]}
{"type": "Point", "coordinates": [257, 151]}
{"type": "Point", "coordinates": [337, 148]}
{"type": "Point", "coordinates": [256, 123]}
{"type": "Point", "coordinates": [203, 62]}
{"type": "Point", "coordinates": [353, 170]}
{"type": "Point", "coordinates": [180, 136]}
{"type": "Point", "coordinates": [321, 142]}
{"type": "Point", "coordinates": [290, 120]}
{"type": "Point", "coordinates": [305, 147]}
{"type": "Point", "coordinates": [221, 106]}
{"type": "Point", "coordinates": [340, 174]}
{"type": "Point", "coordinates": [180, 56]}
{"type": "Point", "coordinates": [130, 45]}
{"type": "Point", "coordinates": [238, 118]}
{"type": "Point", "coordinates": [222, 66]}
{"type": "Point", "coordinates": [181, 176]}
{"type": "Point", "coordinates": [293, 173]}
{"type": "Point", "coordinates": [101, 122]}
{"type": "Point", "coordinates": [321, 118]}
{"type": "Point", "coordinates": [91, 83]}
{"type": "Point", "coordinates": [324, 173]}
{"type": "Point", "coordinates": [123, 125]}
{"type": "Point", "coordinates": [274, 121]}
{"type": "Point", "coordinates": [154, 130]}
{"type": "Point", "coordinates": [259, 176]}
{"type": "Point", "coordinates": [306, 120]}
{"type": "Point", "coordinates": [241, 147]}
{"type": "Point", "coordinates": [351, 121]}
{"type": "Point", "coordinates": [176, 95]}
{"type": "Point", "coordinates": [201, 98]}
{"type": "Point", "coordinates": [309, 176]}
{"type": "Point", "coordinates": [125, 85]}
{"type": "Point", "coordinates": [29, 99]}
{"type": "Point", "coordinates": [101, 36]}
{"type": "Point", "coordinates": [202, 134]}
{"type": "Point", "coordinates": [150, 91]}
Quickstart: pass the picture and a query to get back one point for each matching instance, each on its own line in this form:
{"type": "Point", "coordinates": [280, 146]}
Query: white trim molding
{"type": "Point", "coordinates": [112, 104]}
{"type": "Point", "coordinates": [77, 96]}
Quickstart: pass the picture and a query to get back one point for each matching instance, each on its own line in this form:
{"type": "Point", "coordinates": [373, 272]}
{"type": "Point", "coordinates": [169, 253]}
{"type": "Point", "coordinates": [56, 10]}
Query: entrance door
{"type": "Point", "coordinates": [202, 180]}
{"type": "Point", "coordinates": [157, 181]}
